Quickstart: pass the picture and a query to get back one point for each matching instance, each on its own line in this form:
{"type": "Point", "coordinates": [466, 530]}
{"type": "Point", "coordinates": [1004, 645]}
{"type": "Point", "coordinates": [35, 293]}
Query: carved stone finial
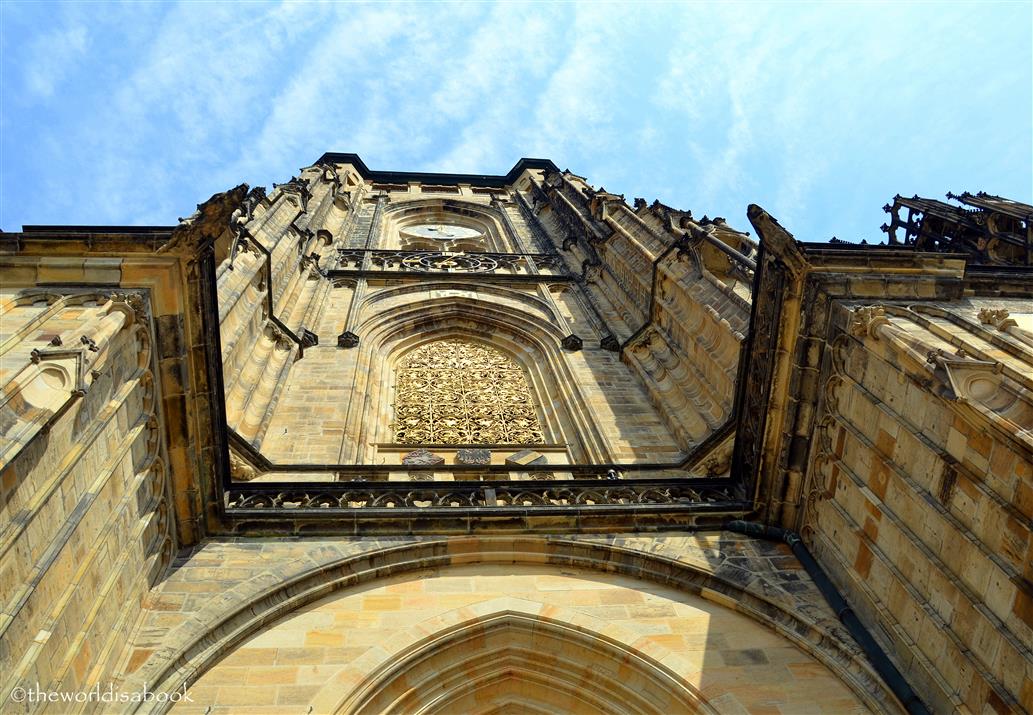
{"type": "Point", "coordinates": [866, 319]}
{"type": "Point", "coordinates": [240, 218]}
{"type": "Point", "coordinates": [131, 304]}
{"type": "Point", "coordinates": [997, 317]}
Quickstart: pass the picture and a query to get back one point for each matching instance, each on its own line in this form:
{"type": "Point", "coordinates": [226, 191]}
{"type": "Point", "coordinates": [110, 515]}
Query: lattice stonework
{"type": "Point", "coordinates": [453, 392]}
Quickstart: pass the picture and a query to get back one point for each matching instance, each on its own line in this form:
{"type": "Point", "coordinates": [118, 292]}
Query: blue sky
{"type": "Point", "coordinates": [131, 113]}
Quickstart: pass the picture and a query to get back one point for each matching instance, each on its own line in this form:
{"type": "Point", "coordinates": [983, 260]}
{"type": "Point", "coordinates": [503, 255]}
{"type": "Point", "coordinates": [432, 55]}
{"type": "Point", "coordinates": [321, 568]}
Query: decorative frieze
{"type": "Point", "coordinates": [462, 496]}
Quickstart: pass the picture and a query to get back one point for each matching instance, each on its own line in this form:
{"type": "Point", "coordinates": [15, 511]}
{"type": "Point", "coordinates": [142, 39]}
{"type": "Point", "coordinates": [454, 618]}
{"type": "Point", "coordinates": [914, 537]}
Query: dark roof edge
{"type": "Point", "coordinates": [391, 177]}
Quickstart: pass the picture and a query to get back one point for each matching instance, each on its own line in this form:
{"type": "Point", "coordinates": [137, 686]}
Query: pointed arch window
{"type": "Point", "coordinates": [456, 392]}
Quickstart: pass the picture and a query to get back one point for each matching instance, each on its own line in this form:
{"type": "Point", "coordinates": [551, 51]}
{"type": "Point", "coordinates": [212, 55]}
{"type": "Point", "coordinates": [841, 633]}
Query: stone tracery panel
{"type": "Point", "coordinates": [456, 392]}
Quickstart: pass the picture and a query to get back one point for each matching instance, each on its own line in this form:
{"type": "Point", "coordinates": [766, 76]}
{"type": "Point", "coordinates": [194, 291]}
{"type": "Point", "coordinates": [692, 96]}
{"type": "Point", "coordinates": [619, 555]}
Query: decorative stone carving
{"type": "Point", "coordinates": [210, 220]}
{"type": "Point", "coordinates": [609, 342]}
{"type": "Point", "coordinates": [330, 173]}
{"type": "Point", "coordinates": [454, 392]}
{"type": "Point", "coordinates": [308, 338]}
{"type": "Point", "coordinates": [571, 342]}
{"type": "Point", "coordinates": [618, 493]}
{"type": "Point", "coordinates": [347, 339]}
{"type": "Point", "coordinates": [422, 458]}
{"type": "Point", "coordinates": [299, 186]}
{"type": "Point", "coordinates": [273, 333]}
{"type": "Point", "coordinates": [997, 318]}
{"type": "Point", "coordinates": [239, 220]}
{"type": "Point", "coordinates": [241, 471]}
{"type": "Point", "coordinates": [966, 379]}
{"type": "Point", "coordinates": [473, 455]}
{"type": "Point", "coordinates": [865, 320]}
{"type": "Point", "coordinates": [591, 272]}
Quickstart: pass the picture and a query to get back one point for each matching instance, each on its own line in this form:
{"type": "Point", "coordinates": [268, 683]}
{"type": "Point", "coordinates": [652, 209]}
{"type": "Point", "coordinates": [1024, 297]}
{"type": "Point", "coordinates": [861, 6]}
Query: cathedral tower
{"type": "Point", "coordinates": [379, 441]}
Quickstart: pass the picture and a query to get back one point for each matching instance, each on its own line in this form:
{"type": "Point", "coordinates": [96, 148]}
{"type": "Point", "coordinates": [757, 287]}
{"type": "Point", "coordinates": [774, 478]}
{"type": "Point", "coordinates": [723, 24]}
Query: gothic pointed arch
{"type": "Point", "coordinates": [564, 634]}
{"type": "Point", "coordinates": [506, 654]}
{"type": "Point", "coordinates": [522, 332]}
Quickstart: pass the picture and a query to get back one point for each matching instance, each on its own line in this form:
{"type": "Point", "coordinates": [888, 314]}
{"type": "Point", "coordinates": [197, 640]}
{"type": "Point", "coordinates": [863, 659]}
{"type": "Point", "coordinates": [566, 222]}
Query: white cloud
{"type": "Point", "coordinates": [721, 104]}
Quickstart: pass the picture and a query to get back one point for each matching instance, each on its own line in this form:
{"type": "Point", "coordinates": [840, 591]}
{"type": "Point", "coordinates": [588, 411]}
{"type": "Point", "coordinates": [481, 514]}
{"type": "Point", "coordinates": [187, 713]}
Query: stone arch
{"type": "Point", "coordinates": [524, 332]}
{"type": "Point", "coordinates": [526, 302]}
{"type": "Point", "coordinates": [486, 220]}
{"type": "Point", "coordinates": [464, 661]}
{"type": "Point", "coordinates": [195, 645]}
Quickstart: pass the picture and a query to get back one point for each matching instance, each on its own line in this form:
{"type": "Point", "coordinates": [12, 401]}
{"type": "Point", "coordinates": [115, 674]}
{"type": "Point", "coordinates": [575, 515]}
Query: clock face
{"type": "Point", "coordinates": [442, 231]}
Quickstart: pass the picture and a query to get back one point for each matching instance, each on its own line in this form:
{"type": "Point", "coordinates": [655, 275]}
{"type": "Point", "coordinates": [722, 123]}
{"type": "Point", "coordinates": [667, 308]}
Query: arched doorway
{"type": "Point", "coordinates": [496, 637]}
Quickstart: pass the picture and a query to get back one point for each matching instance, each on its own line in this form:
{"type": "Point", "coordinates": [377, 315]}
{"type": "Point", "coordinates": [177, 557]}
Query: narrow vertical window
{"type": "Point", "coordinates": [454, 392]}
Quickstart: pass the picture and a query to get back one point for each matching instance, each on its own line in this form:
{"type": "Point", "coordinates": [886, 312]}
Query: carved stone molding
{"type": "Point", "coordinates": [422, 458]}
{"type": "Point", "coordinates": [460, 496]}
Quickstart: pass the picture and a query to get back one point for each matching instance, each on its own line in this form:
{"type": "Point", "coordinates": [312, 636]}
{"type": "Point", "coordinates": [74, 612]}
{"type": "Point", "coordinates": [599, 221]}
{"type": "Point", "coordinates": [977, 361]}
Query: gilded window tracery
{"type": "Point", "coordinates": [454, 392]}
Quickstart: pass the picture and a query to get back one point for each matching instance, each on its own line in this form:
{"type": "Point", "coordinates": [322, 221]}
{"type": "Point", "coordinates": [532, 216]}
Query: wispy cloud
{"type": "Point", "coordinates": [132, 113]}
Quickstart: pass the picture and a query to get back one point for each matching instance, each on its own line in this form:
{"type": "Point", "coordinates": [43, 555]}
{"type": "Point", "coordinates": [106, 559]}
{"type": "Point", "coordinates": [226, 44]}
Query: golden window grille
{"type": "Point", "coordinates": [454, 392]}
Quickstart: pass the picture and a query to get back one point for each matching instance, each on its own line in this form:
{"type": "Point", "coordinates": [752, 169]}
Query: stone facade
{"type": "Point", "coordinates": [397, 442]}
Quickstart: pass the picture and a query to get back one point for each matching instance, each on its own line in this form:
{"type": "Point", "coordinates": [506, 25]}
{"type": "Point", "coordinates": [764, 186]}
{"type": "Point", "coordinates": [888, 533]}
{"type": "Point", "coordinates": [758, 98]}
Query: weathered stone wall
{"type": "Point", "coordinates": [85, 504]}
{"type": "Point", "coordinates": [107, 444]}
{"type": "Point", "coordinates": [671, 293]}
{"type": "Point", "coordinates": [262, 624]}
{"type": "Point", "coordinates": [311, 380]}
{"type": "Point", "coordinates": [921, 503]}
{"type": "Point", "coordinates": [271, 292]}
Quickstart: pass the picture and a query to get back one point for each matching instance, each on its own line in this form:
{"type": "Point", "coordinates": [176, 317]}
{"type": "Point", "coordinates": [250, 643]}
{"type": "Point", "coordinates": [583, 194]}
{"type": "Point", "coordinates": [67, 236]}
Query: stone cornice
{"type": "Point", "coordinates": [403, 177]}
